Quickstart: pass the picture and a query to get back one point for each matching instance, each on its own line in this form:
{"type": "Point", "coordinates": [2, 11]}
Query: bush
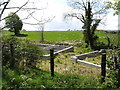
{"type": "Point", "coordinates": [113, 63]}
{"type": "Point", "coordinates": [20, 52]}
{"type": "Point", "coordinates": [100, 45]}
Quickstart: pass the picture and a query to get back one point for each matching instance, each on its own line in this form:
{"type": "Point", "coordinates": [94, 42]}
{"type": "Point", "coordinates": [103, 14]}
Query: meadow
{"type": "Point", "coordinates": [51, 35]}
{"type": "Point", "coordinates": [57, 36]}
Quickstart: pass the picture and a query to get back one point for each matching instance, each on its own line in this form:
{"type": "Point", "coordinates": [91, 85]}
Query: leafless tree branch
{"type": "Point", "coordinates": [15, 11]}
{"type": "Point", "coordinates": [31, 23]}
{"type": "Point", "coordinates": [76, 16]}
{"type": "Point", "coordinates": [28, 15]}
{"type": "Point", "coordinates": [82, 5]}
{"type": "Point", "coordinates": [42, 21]}
{"type": "Point", "coordinates": [5, 5]}
{"type": "Point", "coordinates": [23, 8]}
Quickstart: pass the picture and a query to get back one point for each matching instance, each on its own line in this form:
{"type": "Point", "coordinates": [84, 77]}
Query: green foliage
{"type": "Point", "coordinates": [89, 32]}
{"type": "Point", "coordinates": [84, 48]}
{"type": "Point", "coordinates": [110, 80]}
{"type": "Point", "coordinates": [90, 23]}
{"type": "Point", "coordinates": [37, 78]}
{"type": "Point", "coordinates": [115, 5]}
{"type": "Point", "coordinates": [24, 51]}
{"type": "Point", "coordinates": [113, 59]}
{"type": "Point", "coordinates": [113, 63]}
{"type": "Point", "coordinates": [14, 23]}
{"type": "Point", "coordinates": [100, 45]}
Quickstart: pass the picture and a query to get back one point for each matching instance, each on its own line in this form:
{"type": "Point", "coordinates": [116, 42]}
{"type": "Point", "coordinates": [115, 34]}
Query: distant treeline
{"type": "Point", "coordinates": [112, 31]}
{"type": "Point", "coordinates": [106, 31]}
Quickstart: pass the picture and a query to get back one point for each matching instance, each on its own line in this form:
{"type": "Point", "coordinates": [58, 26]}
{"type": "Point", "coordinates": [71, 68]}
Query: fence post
{"type": "Point", "coordinates": [103, 66]}
{"type": "Point", "coordinates": [52, 62]}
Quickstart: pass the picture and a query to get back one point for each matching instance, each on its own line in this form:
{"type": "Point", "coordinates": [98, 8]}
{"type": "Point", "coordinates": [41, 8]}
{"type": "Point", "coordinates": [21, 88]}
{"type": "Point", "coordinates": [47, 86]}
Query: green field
{"type": "Point", "coordinates": [57, 36]}
{"type": "Point", "coordinates": [51, 35]}
{"type": "Point", "coordinates": [68, 74]}
{"type": "Point", "coordinates": [103, 37]}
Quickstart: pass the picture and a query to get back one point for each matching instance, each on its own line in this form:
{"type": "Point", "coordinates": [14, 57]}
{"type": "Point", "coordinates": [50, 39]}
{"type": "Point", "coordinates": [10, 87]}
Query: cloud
{"type": "Point", "coordinates": [111, 22]}
{"type": "Point", "coordinates": [56, 8]}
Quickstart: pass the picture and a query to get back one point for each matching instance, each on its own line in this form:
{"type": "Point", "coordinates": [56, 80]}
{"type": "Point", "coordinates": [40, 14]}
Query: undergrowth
{"type": "Point", "coordinates": [37, 78]}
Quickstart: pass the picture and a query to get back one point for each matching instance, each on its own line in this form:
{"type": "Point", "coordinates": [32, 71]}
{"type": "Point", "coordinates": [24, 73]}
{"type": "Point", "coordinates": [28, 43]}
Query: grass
{"type": "Point", "coordinates": [57, 36]}
{"type": "Point", "coordinates": [51, 35]}
{"type": "Point", "coordinates": [37, 78]}
{"type": "Point", "coordinates": [64, 65]}
{"type": "Point", "coordinates": [103, 37]}
{"type": "Point", "coordinates": [95, 60]}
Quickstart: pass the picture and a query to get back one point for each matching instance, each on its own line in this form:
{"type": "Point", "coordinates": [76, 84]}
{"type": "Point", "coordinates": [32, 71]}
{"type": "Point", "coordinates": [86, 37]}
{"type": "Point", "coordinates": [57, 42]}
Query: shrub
{"type": "Point", "coordinates": [113, 63]}
{"type": "Point", "coordinates": [20, 52]}
{"type": "Point", "coordinates": [14, 23]}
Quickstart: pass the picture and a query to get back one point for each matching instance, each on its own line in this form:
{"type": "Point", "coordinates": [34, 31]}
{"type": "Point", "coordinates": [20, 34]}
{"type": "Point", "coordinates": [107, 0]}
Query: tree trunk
{"type": "Point", "coordinates": [42, 34]}
{"type": "Point", "coordinates": [16, 32]}
{"type": "Point", "coordinates": [89, 21]}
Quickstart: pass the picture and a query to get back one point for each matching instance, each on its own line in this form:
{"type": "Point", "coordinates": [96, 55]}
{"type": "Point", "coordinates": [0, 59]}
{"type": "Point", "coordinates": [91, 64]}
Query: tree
{"type": "Point", "coordinates": [14, 23]}
{"type": "Point", "coordinates": [115, 5]}
{"type": "Point", "coordinates": [32, 8]}
{"type": "Point", "coordinates": [114, 53]}
{"type": "Point", "coordinates": [90, 17]}
{"type": "Point", "coordinates": [89, 31]}
{"type": "Point", "coordinates": [4, 5]}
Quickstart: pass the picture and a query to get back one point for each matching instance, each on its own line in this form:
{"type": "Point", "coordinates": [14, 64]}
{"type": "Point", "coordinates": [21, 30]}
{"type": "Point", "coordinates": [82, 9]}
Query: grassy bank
{"type": "Point", "coordinates": [37, 78]}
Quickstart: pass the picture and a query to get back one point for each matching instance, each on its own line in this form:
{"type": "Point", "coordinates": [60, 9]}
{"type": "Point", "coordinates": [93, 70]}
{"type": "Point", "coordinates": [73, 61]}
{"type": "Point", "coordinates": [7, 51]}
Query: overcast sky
{"type": "Point", "coordinates": [56, 8]}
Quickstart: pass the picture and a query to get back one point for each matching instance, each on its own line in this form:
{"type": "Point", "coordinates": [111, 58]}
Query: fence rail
{"type": "Point", "coordinates": [68, 49]}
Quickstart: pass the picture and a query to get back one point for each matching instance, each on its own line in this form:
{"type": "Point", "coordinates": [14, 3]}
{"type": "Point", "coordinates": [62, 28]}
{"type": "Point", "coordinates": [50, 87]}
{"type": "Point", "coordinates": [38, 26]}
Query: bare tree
{"type": "Point", "coordinates": [40, 21]}
{"type": "Point", "coordinates": [90, 13]}
{"type": "Point", "coordinates": [5, 4]}
{"type": "Point", "coordinates": [30, 7]}
{"type": "Point", "coordinates": [3, 7]}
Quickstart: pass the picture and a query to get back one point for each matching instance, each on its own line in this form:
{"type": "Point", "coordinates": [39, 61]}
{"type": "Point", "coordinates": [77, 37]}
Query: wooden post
{"type": "Point", "coordinates": [52, 62]}
{"type": "Point", "coordinates": [103, 67]}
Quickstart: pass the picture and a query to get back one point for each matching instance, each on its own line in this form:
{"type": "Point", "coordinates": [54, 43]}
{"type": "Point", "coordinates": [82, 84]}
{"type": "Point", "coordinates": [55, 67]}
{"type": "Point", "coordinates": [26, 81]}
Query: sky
{"type": "Point", "coordinates": [55, 9]}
